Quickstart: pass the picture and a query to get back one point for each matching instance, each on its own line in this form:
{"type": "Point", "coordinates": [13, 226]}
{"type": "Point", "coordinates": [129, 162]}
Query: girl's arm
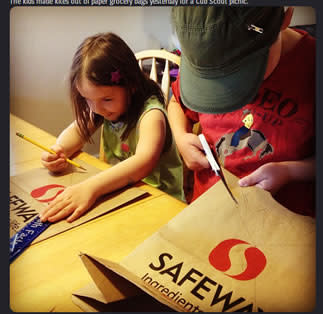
{"type": "Point", "coordinates": [78, 198]}
{"type": "Point", "coordinates": [152, 132]}
{"type": "Point", "coordinates": [67, 143]}
{"type": "Point", "coordinates": [70, 139]}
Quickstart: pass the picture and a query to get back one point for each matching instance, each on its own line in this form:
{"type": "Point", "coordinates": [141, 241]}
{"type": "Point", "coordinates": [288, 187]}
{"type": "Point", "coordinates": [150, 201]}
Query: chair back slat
{"type": "Point", "coordinates": [165, 83]}
{"type": "Point", "coordinates": [153, 71]}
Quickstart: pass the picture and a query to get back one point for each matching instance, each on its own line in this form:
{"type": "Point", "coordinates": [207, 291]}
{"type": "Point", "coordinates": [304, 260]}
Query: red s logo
{"type": "Point", "coordinates": [256, 260]}
{"type": "Point", "coordinates": [47, 189]}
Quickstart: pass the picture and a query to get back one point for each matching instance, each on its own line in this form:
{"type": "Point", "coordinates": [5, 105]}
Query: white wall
{"type": "Point", "coordinates": [44, 39]}
{"type": "Point", "coordinates": [303, 16]}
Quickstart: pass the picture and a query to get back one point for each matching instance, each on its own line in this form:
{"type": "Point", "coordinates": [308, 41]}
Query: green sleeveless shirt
{"type": "Point", "coordinates": [168, 173]}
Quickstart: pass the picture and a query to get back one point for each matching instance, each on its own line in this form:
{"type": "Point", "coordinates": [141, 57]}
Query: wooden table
{"type": "Point", "coordinates": [43, 278]}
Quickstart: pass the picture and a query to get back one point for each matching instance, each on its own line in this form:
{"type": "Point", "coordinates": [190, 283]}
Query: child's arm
{"type": "Point", "coordinates": [67, 143]}
{"type": "Point", "coordinates": [274, 175]}
{"type": "Point", "coordinates": [187, 142]}
{"type": "Point", "coordinates": [78, 198]}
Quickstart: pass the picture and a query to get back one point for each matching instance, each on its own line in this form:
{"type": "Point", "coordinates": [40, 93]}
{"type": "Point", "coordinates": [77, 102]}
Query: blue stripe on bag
{"type": "Point", "coordinates": [25, 236]}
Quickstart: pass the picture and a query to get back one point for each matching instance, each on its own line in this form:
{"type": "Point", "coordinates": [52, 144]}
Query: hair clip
{"type": "Point", "coordinates": [115, 77]}
{"type": "Point", "coordinates": [255, 28]}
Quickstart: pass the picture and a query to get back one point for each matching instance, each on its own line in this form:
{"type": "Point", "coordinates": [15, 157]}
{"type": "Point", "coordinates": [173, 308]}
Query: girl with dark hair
{"type": "Point", "coordinates": [108, 88]}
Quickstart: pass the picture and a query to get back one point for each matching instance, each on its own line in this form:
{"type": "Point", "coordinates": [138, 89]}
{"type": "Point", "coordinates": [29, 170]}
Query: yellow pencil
{"type": "Point", "coordinates": [48, 149]}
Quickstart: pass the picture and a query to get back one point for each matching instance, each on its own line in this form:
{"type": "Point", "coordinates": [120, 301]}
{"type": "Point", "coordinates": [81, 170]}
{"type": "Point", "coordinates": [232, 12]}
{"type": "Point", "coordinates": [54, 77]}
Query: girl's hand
{"type": "Point", "coordinates": [73, 202]}
{"type": "Point", "coordinates": [270, 177]}
{"type": "Point", "coordinates": [191, 149]}
{"type": "Point", "coordinates": [55, 162]}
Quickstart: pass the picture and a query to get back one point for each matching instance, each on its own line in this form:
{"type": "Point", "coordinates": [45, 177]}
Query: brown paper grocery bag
{"type": "Point", "coordinates": [111, 292]}
{"type": "Point", "coordinates": [32, 191]}
{"type": "Point", "coordinates": [217, 255]}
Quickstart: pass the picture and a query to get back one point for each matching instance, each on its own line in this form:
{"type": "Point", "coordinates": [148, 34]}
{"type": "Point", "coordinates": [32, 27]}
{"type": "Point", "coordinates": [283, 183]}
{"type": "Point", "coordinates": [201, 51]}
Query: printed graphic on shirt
{"type": "Point", "coordinates": [125, 147]}
{"type": "Point", "coordinates": [125, 151]}
{"type": "Point", "coordinates": [245, 136]}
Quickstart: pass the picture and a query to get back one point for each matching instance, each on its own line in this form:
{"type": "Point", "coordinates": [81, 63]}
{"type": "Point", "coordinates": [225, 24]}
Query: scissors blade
{"type": "Point", "coordinates": [227, 187]}
{"type": "Point", "coordinates": [214, 164]}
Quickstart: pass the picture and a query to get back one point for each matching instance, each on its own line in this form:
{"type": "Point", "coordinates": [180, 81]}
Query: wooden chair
{"type": "Point", "coordinates": [152, 54]}
{"type": "Point", "coordinates": [165, 56]}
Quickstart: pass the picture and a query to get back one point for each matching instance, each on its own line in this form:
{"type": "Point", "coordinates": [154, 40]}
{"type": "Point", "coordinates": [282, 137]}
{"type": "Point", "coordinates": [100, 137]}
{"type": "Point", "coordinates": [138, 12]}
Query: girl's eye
{"type": "Point", "coordinates": [107, 99]}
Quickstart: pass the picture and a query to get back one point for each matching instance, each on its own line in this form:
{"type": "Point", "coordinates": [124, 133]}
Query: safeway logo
{"type": "Point", "coordinates": [219, 259]}
{"type": "Point", "coordinates": [47, 193]}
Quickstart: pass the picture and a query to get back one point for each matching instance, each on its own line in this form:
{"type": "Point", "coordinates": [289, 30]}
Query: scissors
{"type": "Point", "coordinates": [214, 164]}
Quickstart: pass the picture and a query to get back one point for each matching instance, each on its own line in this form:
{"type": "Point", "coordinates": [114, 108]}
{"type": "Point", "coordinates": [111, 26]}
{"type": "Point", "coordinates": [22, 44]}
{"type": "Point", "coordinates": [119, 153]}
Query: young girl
{"type": "Point", "coordinates": [108, 87]}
